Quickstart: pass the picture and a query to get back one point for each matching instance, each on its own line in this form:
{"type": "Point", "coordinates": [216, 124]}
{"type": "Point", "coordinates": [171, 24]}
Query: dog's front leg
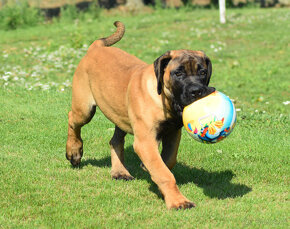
{"type": "Point", "coordinates": [170, 144]}
{"type": "Point", "coordinates": [146, 146]}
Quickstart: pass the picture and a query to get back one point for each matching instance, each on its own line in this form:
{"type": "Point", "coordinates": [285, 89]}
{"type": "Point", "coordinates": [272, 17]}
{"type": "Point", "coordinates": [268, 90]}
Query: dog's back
{"type": "Point", "coordinates": [108, 69]}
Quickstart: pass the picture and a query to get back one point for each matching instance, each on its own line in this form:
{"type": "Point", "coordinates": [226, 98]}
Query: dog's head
{"type": "Point", "coordinates": [183, 76]}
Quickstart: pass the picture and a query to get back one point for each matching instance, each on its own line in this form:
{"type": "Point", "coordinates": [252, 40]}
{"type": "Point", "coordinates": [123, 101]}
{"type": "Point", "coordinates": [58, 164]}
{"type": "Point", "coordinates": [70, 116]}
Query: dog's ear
{"type": "Point", "coordinates": [159, 67]}
{"type": "Point", "coordinates": [209, 69]}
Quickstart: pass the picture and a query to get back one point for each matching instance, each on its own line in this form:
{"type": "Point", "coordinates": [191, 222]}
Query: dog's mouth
{"type": "Point", "coordinates": [193, 93]}
{"type": "Point", "coordinates": [189, 96]}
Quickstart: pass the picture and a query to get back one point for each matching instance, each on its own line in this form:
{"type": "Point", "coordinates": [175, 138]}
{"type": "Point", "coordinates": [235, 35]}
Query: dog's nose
{"type": "Point", "coordinates": [194, 92]}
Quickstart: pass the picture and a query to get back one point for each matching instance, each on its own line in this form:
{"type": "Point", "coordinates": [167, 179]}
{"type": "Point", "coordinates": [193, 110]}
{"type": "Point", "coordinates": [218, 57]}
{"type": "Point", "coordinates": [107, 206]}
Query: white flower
{"type": "Point", "coordinates": [34, 74]}
{"type": "Point", "coordinates": [45, 87]}
{"type": "Point", "coordinates": [238, 109]}
{"type": "Point", "coordinates": [5, 77]}
{"type": "Point", "coordinates": [286, 103]}
{"type": "Point", "coordinates": [164, 41]}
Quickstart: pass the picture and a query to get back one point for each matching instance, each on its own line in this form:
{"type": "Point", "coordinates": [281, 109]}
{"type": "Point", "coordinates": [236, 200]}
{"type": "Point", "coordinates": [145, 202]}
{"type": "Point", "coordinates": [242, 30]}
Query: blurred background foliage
{"type": "Point", "coordinates": [19, 13]}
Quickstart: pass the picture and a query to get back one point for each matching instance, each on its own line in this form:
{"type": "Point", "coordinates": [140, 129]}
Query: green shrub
{"type": "Point", "coordinates": [94, 10]}
{"type": "Point", "coordinates": [76, 39]}
{"type": "Point", "coordinates": [69, 13]}
{"type": "Point", "coordinates": [19, 15]}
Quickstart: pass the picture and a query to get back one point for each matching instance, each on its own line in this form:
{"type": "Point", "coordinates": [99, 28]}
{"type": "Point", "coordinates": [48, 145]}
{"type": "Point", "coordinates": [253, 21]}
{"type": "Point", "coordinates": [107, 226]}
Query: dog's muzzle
{"type": "Point", "coordinates": [187, 93]}
{"type": "Point", "coordinates": [193, 92]}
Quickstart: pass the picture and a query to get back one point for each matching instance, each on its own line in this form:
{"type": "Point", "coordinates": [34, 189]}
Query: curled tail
{"type": "Point", "coordinates": [114, 38]}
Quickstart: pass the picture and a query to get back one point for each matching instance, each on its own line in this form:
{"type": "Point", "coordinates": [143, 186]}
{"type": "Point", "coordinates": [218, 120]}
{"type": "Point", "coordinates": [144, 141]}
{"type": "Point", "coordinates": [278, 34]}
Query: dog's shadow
{"type": "Point", "coordinates": [214, 184]}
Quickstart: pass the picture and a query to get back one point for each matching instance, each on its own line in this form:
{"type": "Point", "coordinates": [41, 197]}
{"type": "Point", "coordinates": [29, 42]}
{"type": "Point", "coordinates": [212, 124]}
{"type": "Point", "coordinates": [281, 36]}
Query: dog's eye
{"type": "Point", "coordinates": [202, 72]}
{"type": "Point", "coordinates": [178, 73]}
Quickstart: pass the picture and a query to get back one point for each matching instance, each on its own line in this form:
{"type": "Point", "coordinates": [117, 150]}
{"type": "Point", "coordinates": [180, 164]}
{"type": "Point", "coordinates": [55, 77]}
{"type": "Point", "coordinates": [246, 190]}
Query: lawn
{"type": "Point", "coordinates": [242, 182]}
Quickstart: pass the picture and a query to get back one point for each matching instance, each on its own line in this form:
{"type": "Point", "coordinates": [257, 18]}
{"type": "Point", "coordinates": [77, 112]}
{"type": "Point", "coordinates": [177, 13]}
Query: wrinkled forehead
{"type": "Point", "coordinates": [191, 61]}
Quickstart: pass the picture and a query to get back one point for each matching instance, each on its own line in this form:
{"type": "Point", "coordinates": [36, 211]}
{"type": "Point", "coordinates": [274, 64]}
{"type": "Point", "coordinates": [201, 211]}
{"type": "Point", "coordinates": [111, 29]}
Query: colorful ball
{"type": "Point", "coordinates": [210, 119]}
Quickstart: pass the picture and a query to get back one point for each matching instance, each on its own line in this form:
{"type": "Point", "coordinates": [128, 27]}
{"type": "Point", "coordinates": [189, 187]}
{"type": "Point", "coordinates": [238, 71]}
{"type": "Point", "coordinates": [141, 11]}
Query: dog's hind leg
{"type": "Point", "coordinates": [117, 156]}
{"type": "Point", "coordinates": [83, 110]}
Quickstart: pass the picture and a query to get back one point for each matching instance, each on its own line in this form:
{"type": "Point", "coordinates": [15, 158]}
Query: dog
{"type": "Point", "coordinates": [140, 99]}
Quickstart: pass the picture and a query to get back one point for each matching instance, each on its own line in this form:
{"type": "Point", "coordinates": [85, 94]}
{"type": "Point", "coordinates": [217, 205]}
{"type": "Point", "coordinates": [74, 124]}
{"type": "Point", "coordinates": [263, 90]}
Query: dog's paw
{"type": "Point", "coordinates": [122, 177]}
{"type": "Point", "coordinates": [179, 204]}
{"type": "Point", "coordinates": [186, 205]}
{"type": "Point", "coordinates": [74, 155]}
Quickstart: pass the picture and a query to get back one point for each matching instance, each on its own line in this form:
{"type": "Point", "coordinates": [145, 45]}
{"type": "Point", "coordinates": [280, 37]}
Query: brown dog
{"type": "Point", "coordinates": [140, 99]}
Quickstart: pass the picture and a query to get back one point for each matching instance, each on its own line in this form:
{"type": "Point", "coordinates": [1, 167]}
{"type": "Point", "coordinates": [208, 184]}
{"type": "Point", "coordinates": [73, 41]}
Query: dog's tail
{"type": "Point", "coordinates": [114, 38]}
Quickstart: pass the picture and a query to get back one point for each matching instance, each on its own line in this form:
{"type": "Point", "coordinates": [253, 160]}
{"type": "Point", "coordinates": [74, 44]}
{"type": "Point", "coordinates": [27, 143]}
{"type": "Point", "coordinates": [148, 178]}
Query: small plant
{"type": "Point", "coordinates": [76, 40]}
{"type": "Point", "coordinates": [94, 10]}
{"type": "Point", "coordinates": [159, 4]}
{"type": "Point", "coordinates": [19, 15]}
{"type": "Point", "coordinates": [69, 13]}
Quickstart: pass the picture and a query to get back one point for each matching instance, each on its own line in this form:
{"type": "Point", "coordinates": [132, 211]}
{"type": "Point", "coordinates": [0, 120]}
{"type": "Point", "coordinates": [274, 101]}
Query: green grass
{"type": "Point", "coordinates": [242, 182]}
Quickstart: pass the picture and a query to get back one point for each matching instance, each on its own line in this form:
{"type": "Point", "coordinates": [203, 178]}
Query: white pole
{"type": "Point", "coordinates": [222, 6]}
